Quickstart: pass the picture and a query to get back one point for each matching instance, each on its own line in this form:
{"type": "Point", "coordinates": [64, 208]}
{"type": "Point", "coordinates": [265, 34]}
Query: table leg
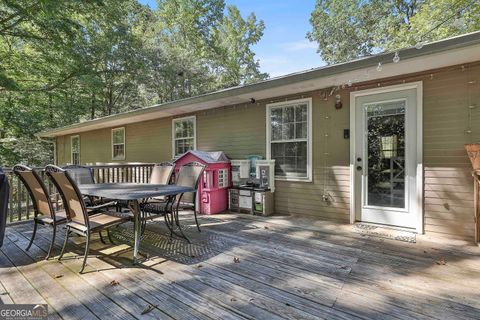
{"type": "Point", "coordinates": [137, 226]}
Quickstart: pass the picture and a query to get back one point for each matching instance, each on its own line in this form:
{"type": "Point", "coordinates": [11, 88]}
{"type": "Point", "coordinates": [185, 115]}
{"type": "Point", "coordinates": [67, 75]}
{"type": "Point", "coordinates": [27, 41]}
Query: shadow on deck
{"type": "Point", "coordinates": [242, 266]}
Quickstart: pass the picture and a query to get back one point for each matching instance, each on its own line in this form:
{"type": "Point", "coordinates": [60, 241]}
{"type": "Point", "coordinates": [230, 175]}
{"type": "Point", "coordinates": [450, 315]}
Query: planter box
{"type": "Point", "coordinates": [473, 151]}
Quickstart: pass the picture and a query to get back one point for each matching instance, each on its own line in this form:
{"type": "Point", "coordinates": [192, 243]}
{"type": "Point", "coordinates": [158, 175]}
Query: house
{"type": "Point", "coordinates": [372, 140]}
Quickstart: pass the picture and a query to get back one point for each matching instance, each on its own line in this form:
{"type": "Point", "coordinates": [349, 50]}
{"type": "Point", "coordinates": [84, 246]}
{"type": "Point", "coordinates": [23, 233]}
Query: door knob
{"type": "Point", "coordinates": [359, 159]}
{"type": "Point", "coordinates": [359, 168]}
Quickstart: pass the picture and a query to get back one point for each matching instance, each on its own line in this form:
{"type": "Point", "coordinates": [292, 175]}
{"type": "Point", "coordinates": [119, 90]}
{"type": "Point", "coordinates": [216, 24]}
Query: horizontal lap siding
{"type": "Point", "coordinates": [240, 131]}
{"type": "Point", "coordinates": [331, 173]}
{"type": "Point", "coordinates": [448, 191]}
{"type": "Point", "coordinates": [148, 141]}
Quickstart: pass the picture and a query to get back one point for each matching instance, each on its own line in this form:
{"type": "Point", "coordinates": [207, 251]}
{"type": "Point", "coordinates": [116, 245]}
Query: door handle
{"type": "Point", "coordinates": [359, 159]}
{"type": "Point", "coordinates": [359, 168]}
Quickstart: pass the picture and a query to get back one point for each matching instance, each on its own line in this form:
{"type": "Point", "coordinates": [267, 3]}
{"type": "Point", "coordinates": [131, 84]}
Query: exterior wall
{"type": "Point", "coordinates": [240, 131]}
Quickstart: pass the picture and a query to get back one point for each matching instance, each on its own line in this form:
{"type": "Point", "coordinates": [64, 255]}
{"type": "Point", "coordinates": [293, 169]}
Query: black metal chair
{"type": "Point", "coordinates": [161, 174]}
{"type": "Point", "coordinates": [44, 212]}
{"type": "Point", "coordinates": [78, 219]}
{"type": "Point", "coordinates": [4, 195]}
{"type": "Point", "coordinates": [188, 176]}
{"type": "Point", "coordinates": [84, 175]}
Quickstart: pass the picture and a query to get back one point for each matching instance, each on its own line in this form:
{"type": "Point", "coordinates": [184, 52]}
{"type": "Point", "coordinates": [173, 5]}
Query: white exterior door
{"type": "Point", "coordinates": [385, 162]}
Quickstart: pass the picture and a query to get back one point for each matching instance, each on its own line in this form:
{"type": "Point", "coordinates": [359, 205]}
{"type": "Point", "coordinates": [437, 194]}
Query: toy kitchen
{"type": "Point", "coordinates": [253, 186]}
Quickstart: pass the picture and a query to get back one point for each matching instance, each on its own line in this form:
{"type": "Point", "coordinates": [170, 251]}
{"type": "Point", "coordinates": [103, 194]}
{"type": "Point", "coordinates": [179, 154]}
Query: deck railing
{"type": "Point", "coordinates": [20, 205]}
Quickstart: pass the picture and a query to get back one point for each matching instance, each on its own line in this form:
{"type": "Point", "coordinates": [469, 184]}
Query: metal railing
{"type": "Point", "coordinates": [20, 207]}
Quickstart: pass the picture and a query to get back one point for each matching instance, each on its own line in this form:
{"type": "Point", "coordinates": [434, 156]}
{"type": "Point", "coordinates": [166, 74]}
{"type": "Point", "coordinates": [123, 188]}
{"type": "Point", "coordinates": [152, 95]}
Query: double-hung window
{"type": "Point", "coordinates": [118, 144]}
{"type": "Point", "coordinates": [75, 148]}
{"type": "Point", "coordinates": [183, 135]}
{"type": "Point", "coordinates": [289, 127]}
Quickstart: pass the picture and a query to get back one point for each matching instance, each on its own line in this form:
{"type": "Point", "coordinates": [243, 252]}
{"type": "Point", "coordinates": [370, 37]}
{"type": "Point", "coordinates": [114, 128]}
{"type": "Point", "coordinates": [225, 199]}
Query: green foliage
{"type": "Point", "coordinates": [64, 61]}
{"type": "Point", "coordinates": [346, 30]}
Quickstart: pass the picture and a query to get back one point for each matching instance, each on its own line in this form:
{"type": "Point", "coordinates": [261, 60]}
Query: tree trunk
{"type": "Point", "coordinates": [92, 114]}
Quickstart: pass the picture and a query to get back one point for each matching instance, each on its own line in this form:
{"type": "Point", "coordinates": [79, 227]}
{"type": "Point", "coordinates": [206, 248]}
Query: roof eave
{"type": "Point", "coordinates": [366, 62]}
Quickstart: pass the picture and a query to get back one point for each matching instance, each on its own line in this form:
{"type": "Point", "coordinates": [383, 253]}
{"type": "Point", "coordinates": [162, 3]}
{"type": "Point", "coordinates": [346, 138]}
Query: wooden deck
{"type": "Point", "coordinates": [248, 267]}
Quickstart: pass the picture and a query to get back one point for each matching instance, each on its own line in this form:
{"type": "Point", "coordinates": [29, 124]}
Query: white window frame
{"type": "Point", "coordinates": [194, 118]}
{"type": "Point", "coordinates": [222, 178]}
{"type": "Point", "coordinates": [124, 143]}
{"type": "Point", "coordinates": [71, 149]}
{"type": "Point", "coordinates": [309, 136]}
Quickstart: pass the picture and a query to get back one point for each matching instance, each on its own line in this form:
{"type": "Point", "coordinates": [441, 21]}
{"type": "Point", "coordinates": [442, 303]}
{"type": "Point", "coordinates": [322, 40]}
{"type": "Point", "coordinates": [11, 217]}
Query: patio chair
{"type": "Point", "coordinates": [161, 174]}
{"type": "Point", "coordinates": [44, 212]}
{"type": "Point", "coordinates": [4, 195]}
{"type": "Point", "coordinates": [80, 174]}
{"type": "Point", "coordinates": [78, 219]}
{"type": "Point", "coordinates": [84, 175]}
{"type": "Point", "coordinates": [188, 176]}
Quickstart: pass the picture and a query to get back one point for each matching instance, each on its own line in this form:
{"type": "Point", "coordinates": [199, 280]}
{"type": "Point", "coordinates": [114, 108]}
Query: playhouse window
{"type": "Point", "coordinates": [75, 148]}
{"type": "Point", "coordinates": [222, 178]}
{"type": "Point", "coordinates": [118, 144]}
{"type": "Point", "coordinates": [183, 135]}
{"type": "Point", "coordinates": [289, 139]}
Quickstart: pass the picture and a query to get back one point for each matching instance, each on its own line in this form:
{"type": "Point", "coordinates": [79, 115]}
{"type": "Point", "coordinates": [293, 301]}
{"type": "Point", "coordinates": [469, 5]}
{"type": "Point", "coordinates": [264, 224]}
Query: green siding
{"type": "Point", "coordinates": [240, 131]}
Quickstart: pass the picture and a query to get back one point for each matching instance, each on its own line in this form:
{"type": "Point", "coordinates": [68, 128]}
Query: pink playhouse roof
{"type": "Point", "coordinates": [207, 157]}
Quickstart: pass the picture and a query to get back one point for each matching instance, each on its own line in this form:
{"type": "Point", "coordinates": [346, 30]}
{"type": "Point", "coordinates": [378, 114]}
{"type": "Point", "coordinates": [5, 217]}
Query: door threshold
{"type": "Point", "coordinates": [386, 231]}
{"type": "Point", "coordinates": [387, 226]}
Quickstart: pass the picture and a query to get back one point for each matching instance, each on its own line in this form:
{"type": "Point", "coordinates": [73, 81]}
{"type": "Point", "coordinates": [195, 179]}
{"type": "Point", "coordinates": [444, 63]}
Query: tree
{"type": "Point", "coordinates": [233, 59]}
{"type": "Point", "coordinates": [64, 61]}
{"type": "Point", "coordinates": [346, 30]}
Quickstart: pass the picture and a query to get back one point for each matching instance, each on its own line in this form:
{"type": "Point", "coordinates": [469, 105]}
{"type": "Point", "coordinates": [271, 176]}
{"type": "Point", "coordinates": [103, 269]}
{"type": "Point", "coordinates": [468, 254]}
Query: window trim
{"type": "Point", "coordinates": [269, 108]}
{"type": "Point", "coordinates": [71, 149]}
{"type": "Point", "coordinates": [124, 143]}
{"type": "Point", "coordinates": [194, 118]}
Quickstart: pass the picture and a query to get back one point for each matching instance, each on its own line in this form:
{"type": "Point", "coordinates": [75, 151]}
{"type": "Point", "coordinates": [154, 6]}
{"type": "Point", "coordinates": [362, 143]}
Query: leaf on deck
{"type": "Point", "coordinates": [148, 309]}
{"type": "Point", "coordinates": [441, 262]}
{"type": "Point", "coordinates": [236, 260]}
{"type": "Point", "coordinates": [114, 283]}
{"type": "Point", "coordinates": [58, 276]}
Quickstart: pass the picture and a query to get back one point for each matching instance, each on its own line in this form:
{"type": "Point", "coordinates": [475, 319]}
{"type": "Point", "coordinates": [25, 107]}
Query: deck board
{"type": "Point", "coordinates": [257, 268]}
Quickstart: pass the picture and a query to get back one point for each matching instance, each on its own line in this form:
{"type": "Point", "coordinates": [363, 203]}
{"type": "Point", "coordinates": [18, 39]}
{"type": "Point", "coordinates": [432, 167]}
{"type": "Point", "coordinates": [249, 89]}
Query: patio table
{"type": "Point", "coordinates": [133, 193]}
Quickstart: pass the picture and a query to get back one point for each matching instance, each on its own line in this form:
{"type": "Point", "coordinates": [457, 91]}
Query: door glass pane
{"type": "Point", "coordinates": [385, 149]}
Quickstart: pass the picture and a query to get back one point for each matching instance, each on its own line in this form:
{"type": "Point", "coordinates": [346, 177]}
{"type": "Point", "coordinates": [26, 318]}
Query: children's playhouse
{"type": "Point", "coordinates": [212, 192]}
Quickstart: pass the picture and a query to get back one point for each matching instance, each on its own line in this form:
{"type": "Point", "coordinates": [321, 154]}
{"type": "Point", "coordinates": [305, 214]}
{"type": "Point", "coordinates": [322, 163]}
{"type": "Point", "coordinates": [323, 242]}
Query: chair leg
{"type": "Point", "coordinates": [110, 236]}
{"type": "Point", "coordinates": [52, 244]}
{"type": "Point", "coordinates": [101, 237]}
{"type": "Point", "coordinates": [67, 234]}
{"type": "Point", "coordinates": [87, 248]}
{"type": "Point", "coordinates": [33, 234]}
{"type": "Point", "coordinates": [196, 219]}
{"type": "Point", "coordinates": [177, 222]}
{"type": "Point", "coordinates": [167, 223]}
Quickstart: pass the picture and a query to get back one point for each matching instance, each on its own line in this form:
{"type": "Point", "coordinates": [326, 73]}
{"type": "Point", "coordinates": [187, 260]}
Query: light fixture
{"type": "Point", "coordinates": [379, 67]}
{"type": "Point", "coordinates": [396, 57]}
{"type": "Point", "coordinates": [419, 45]}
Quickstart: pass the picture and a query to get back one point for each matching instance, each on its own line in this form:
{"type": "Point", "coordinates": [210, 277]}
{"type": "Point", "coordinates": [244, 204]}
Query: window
{"type": "Point", "coordinates": [183, 133]}
{"type": "Point", "coordinates": [222, 178]}
{"type": "Point", "coordinates": [75, 148]}
{"type": "Point", "coordinates": [118, 144]}
{"type": "Point", "coordinates": [289, 139]}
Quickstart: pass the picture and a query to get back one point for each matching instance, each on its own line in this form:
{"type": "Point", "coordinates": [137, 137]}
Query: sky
{"type": "Point", "coordinates": [283, 48]}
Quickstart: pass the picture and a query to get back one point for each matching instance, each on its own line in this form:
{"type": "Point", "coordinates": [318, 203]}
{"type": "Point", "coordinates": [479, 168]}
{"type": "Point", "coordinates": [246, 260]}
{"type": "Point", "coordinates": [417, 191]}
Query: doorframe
{"type": "Point", "coordinates": [418, 86]}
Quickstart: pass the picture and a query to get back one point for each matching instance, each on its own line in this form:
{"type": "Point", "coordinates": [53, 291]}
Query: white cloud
{"type": "Point", "coordinates": [298, 45]}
